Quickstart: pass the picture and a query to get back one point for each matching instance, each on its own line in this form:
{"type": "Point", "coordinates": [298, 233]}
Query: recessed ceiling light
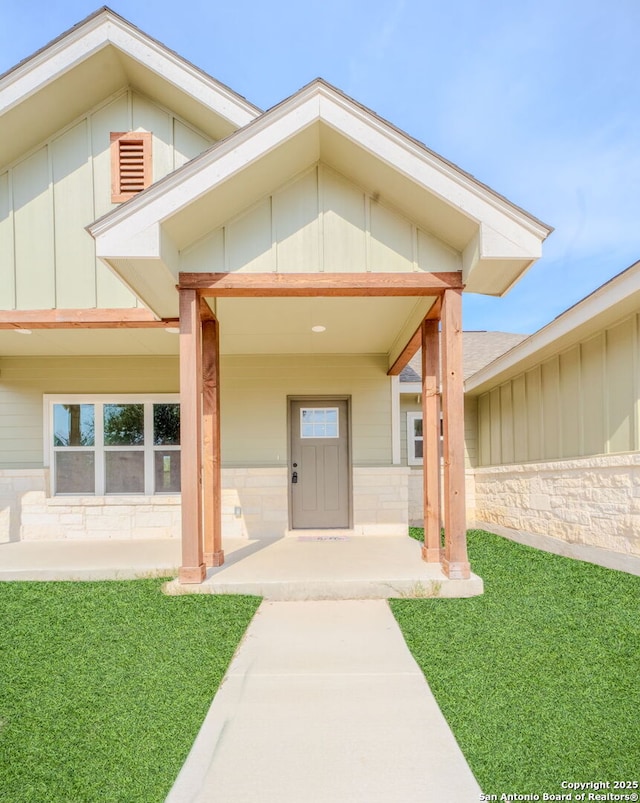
{"type": "Point", "coordinates": [319, 328]}
{"type": "Point", "coordinates": [173, 330]}
{"type": "Point", "coordinates": [23, 331]}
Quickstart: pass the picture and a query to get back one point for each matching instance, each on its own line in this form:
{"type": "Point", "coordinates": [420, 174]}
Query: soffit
{"type": "Point", "coordinates": [89, 63]}
{"type": "Point", "coordinates": [319, 143]}
{"type": "Point", "coordinates": [88, 342]}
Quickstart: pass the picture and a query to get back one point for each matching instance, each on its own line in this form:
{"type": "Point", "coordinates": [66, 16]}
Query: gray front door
{"type": "Point", "coordinates": [319, 468]}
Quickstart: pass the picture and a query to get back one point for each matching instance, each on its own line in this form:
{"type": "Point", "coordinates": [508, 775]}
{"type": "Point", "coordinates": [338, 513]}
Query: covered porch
{"type": "Point", "coordinates": [317, 233]}
{"type": "Point", "coordinates": [200, 384]}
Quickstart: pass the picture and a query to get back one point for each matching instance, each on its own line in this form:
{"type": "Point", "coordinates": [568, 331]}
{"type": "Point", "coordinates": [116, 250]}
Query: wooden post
{"type": "Point", "coordinates": [193, 569]}
{"type": "Point", "coordinates": [431, 439]}
{"type": "Point", "coordinates": [213, 553]}
{"type": "Point", "coordinates": [455, 561]}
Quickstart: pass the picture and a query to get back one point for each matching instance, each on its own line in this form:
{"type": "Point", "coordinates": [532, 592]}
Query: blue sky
{"type": "Point", "coordinates": [539, 100]}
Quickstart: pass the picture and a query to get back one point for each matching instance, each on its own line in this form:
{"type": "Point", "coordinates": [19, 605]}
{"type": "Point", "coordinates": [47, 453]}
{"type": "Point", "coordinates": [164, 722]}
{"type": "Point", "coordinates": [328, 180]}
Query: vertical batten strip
{"type": "Point", "coordinates": [320, 197]}
{"type": "Point", "coordinates": [431, 440]}
{"type": "Point", "coordinates": [211, 486]}
{"type": "Point", "coordinates": [367, 232]}
{"type": "Point", "coordinates": [193, 569]}
{"type": "Point", "coordinates": [455, 561]}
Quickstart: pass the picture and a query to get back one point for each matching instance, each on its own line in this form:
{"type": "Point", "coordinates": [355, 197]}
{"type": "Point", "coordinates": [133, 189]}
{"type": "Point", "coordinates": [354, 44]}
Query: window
{"type": "Point", "coordinates": [130, 164]}
{"type": "Point", "coordinates": [414, 439]}
{"type": "Point", "coordinates": [123, 445]}
{"type": "Point", "coordinates": [319, 422]}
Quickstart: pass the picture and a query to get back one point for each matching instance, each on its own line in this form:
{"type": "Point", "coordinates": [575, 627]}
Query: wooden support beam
{"type": "Point", "coordinates": [213, 553]}
{"type": "Point", "coordinates": [455, 561]}
{"type": "Point", "coordinates": [241, 285]}
{"type": "Point", "coordinates": [415, 342]}
{"type": "Point", "coordinates": [193, 569]}
{"type": "Point", "coordinates": [133, 318]}
{"type": "Point", "coordinates": [430, 342]}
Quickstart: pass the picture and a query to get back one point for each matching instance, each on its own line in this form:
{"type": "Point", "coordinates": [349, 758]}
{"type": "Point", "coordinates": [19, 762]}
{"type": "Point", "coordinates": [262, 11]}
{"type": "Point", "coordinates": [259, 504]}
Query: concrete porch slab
{"type": "Point", "coordinates": [314, 565]}
{"type": "Point", "coordinates": [319, 567]}
{"type": "Point", "coordinates": [89, 560]}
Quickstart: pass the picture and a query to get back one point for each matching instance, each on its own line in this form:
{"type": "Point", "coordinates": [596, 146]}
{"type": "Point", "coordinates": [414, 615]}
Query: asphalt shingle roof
{"type": "Point", "coordinates": [479, 349]}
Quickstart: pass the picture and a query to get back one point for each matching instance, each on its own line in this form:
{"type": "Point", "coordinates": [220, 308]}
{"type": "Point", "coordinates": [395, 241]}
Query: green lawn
{"type": "Point", "coordinates": [103, 686]}
{"type": "Point", "coordinates": [540, 677]}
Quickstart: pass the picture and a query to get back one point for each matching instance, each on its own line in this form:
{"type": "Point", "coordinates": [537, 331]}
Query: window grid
{"type": "Point", "coordinates": [100, 449]}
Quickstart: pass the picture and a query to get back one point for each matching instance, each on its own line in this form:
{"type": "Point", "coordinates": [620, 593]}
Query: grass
{"type": "Point", "coordinates": [539, 677]}
{"type": "Point", "coordinates": [103, 686]}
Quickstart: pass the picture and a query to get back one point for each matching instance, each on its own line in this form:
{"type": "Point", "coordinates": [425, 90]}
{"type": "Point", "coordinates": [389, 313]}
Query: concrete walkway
{"type": "Point", "coordinates": [323, 703]}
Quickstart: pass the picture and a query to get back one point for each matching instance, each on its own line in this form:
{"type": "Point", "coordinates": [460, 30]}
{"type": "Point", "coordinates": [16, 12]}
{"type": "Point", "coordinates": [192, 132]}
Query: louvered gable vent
{"type": "Point", "coordinates": [130, 164]}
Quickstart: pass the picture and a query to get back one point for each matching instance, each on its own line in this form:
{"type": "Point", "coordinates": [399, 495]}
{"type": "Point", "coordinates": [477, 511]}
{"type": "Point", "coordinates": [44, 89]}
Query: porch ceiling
{"type": "Point", "coordinates": [284, 325]}
{"type": "Point", "coordinates": [87, 342]}
{"type": "Point", "coordinates": [249, 326]}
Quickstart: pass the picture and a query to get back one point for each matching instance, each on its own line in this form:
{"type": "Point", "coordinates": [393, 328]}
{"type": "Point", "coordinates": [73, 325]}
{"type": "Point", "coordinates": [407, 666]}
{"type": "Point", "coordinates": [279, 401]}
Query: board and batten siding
{"type": "Point", "coordinates": [47, 259]}
{"type": "Point", "coordinates": [319, 222]}
{"type": "Point", "coordinates": [583, 401]}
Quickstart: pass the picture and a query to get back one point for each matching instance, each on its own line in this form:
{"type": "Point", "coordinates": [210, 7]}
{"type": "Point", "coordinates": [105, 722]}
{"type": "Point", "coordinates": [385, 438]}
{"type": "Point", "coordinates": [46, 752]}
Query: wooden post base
{"type": "Point", "coordinates": [192, 574]}
{"type": "Point", "coordinates": [456, 570]}
{"type": "Point", "coordinates": [214, 558]}
{"type": "Point", "coordinates": [431, 554]}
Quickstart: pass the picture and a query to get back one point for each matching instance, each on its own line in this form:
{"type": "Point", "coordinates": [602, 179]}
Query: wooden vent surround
{"type": "Point", "coordinates": [130, 164]}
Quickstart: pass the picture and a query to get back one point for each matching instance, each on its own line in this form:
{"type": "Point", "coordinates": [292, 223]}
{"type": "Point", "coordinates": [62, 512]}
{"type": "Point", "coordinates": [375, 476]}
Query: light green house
{"type": "Point", "coordinates": [314, 247]}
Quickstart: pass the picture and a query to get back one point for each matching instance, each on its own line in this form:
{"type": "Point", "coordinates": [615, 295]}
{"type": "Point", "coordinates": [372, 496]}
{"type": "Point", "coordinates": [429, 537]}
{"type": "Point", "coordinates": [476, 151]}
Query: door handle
{"type": "Point", "coordinates": [294, 477]}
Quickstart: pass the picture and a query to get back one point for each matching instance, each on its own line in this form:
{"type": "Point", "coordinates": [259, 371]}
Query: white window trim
{"type": "Point", "coordinates": [148, 399]}
{"type": "Point", "coordinates": [412, 460]}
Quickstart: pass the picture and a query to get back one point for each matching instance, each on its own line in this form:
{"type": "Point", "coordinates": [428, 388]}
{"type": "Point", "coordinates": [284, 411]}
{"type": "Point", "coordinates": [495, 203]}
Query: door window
{"type": "Point", "coordinates": [319, 422]}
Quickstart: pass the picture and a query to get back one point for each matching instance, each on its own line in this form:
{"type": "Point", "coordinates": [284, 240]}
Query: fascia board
{"type": "Point", "coordinates": [419, 164]}
{"type": "Point", "coordinates": [320, 102]}
{"type": "Point", "coordinates": [103, 30]}
{"type": "Point", "coordinates": [204, 89]}
{"type": "Point", "coordinates": [566, 325]}
{"type": "Point", "coordinates": [44, 67]}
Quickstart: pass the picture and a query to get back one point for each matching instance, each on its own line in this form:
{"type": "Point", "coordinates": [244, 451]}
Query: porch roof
{"type": "Point", "coordinates": [142, 240]}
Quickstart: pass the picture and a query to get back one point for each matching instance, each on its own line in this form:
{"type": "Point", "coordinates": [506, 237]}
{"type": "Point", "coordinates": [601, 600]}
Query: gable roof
{"type": "Point", "coordinates": [90, 62]}
{"type": "Point", "coordinates": [611, 302]}
{"type": "Point", "coordinates": [478, 349]}
{"type": "Point", "coordinates": [142, 239]}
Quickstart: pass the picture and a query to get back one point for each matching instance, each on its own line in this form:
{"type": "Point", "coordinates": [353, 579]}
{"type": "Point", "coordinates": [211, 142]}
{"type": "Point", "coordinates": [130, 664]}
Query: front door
{"type": "Point", "coordinates": [319, 469]}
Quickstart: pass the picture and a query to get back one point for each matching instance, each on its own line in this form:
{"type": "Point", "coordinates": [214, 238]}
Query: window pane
{"type": "Point", "coordinates": [75, 472]}
{"type": "Point", "coordinates": [166, 424]}
{"type": "Point", "coordinates": [417, 427]}
{"type": "Point", "coordinates": [167, 471]}
{"type": "Point", "coordinates": [417, 448]}
{"type": "Point", "coordinates": [73, 425]}
{"type": "Point", "coordinates": [123, 424]}
{"type": "Point", "coordinates": [124, 472]}
{"type": "Point", "coordinates": [319, 422]}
